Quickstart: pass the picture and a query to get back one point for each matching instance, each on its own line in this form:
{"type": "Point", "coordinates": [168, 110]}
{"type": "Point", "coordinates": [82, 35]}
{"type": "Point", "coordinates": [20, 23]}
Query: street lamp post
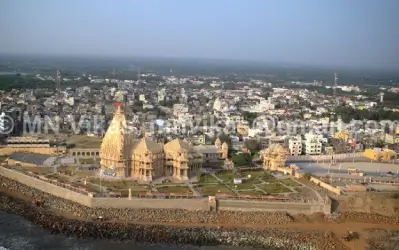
{"type": "Point", "coordinates": [101, 174]}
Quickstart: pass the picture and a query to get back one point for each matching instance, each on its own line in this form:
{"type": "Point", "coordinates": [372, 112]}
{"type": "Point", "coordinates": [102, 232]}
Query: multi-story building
{"type": "Point", "coordinates": [313, 144]}
{"type": "Point", "coordinates": [295, 145]}
{"type": "Point", "coordinates": [179, 109]}
{"type": "Point", "coordinates": [161, 95]}
{"type": "Point", "coordinates": [213, 153]}
{"type": "Point", "coordinates": [197, 139]}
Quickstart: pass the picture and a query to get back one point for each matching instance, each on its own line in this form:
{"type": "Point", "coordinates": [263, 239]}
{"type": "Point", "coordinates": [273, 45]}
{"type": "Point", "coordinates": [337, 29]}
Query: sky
{"type": "Point", "coordinates": [315, 32]}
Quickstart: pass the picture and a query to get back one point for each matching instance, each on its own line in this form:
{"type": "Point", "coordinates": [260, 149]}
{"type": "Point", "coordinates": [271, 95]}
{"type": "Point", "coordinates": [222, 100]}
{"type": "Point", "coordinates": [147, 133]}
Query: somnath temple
{"type": "Point", "coordinates": [145, 159]}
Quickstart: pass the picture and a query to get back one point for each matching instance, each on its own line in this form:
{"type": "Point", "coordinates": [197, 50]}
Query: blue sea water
{"type": "Point", "coordinates": [16, 233]}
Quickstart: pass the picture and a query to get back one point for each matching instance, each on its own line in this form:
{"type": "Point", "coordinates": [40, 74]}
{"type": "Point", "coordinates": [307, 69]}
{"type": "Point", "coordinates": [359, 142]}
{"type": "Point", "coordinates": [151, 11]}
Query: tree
{"type": "Point", "coordinates": [242, 159]}
{"type": "Point", "coordinates": [307, 176]}
{"type": "Point", "coordinates": [225, 138]}
{"type": "Point", "coordinates": [199, 175]}
{"type": "Point", "coordinates": [252, 145]}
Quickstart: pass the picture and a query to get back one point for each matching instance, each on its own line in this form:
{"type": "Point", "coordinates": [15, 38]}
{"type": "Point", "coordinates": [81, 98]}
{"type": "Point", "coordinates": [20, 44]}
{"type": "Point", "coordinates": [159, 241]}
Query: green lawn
{"type": "Point", "coordinates": [255, 174]}
{"type": "Point", "coordinates": [290, 182]}
{"type": "Point", "coordinates": [36, 170]}
{"type": "Point", "coordinates": [83, 174]}
{"type": "Point", "coordinates": [250, 192]}
{"type": "Point", "coordinates": [226, 176]}
{"type": "Point", "coordinates": [3, 158]}
{"type": "Point", "coordinates": [68, 170]}
{"type": "Point", "coordinates": [246, 184]}
{"type": "Point", "coordinates": [174, 189]}
{"type": "Point", "coordinates": [213, 189]}
{"type": "Point", "coordinates": [269, 178]}
{"type": "Point", "coordinates": [115, 184]}
{"type": "Point", "coordinates": [274, 188]}
{"type": "Point", "coordinates": [135, 191]}
{"type": "Point", "coordinates": [89, 187]}
{"type": "Point", "coordinates": [206, 178]}
{"type": "Point", "coordinates": [87, 161]}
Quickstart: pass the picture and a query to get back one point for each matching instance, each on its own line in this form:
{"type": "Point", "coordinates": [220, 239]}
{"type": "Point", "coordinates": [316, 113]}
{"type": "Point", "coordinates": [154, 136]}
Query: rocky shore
{"type": "Point", "coordinates": [366, 217]}
{"type": "Point", "coordinates": [380, 239]}
{"type": "Point", "coordinates": [147, 215]}
{"type": "Point", "coordinates": [259, 239]}
{"type": "Point", "coordinates": [42, 214]}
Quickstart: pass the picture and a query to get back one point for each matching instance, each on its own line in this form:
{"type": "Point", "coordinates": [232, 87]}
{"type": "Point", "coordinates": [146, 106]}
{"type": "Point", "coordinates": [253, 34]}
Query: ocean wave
{"type": "Point", "coordinates": [3, 248]}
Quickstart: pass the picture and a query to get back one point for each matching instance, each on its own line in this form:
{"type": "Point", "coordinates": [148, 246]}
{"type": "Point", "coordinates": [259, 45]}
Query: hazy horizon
{"type": "Point", "coordinates": [356, 33]}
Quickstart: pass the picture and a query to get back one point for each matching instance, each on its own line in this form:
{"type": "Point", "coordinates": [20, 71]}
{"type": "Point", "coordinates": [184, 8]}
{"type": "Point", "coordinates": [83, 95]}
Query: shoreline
{"type": "Point", "coordinates": [150, 234]}
{"type": "Point", "coordinates": [259, 230]}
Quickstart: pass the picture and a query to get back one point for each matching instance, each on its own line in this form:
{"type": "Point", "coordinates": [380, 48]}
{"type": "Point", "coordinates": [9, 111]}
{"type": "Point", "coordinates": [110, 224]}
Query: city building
{"type": "Point", "coordinates": [313, 144]}
{"type": "Point", "coordinates": [179, 109]}
{"type": "Point", "coordinates": [213, 153]}
{"type": "Point", "coordinates": [295, 145]}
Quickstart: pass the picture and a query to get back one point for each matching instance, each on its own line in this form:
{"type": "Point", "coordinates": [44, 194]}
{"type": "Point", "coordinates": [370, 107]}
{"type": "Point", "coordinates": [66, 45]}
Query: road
{"type": "Point", "coordinates": [370, 169]}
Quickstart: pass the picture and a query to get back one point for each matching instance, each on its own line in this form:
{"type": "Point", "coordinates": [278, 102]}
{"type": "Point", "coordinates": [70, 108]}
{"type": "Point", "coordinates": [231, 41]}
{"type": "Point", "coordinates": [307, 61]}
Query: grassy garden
{"type": "Point", "coordinates": [174, 189]}
{"type": "Point", "coordinates": [250, 181]}
{"type": "Point", "coordinates": [212, 189]}
{"type": "Point", "coordinates": [87, 161]}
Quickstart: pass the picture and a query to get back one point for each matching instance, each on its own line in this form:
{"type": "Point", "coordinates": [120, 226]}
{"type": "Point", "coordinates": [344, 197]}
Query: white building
{"type": "Point", "coordinates": [295, 145]}
{"type": "Point", "coordinates": [3, 125]}
{"type": "Point", "coordinates": [313, 144]}
{"type": "Point", "coordinates": [161, 95]}
{"type": "Point", "coordinates": [217, 105]}
{"type": "Point", "coordinates": [179, 109]}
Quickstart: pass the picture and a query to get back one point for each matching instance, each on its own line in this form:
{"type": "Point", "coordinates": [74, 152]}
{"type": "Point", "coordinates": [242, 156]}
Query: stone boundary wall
{"type": "Point", "coordinates": [325, 157]}
{"type": "Point", "coordinates": [46, 187]}
{"type": "Point", "coordinates": [12, 150]}
{"type": "Point", "coordinates": [322, 184]}
{"type": "Point", "coordinates": [289, 207]}
{"type": "Point", "coordinates": [143, 203]}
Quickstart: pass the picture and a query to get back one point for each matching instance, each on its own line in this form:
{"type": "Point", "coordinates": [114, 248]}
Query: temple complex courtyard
{"type": "Point", "coordinates": [252, 182]}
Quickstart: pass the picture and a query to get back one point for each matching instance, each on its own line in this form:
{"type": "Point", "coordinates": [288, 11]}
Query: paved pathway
{"type": "Point", "coordinates": [193, 189]}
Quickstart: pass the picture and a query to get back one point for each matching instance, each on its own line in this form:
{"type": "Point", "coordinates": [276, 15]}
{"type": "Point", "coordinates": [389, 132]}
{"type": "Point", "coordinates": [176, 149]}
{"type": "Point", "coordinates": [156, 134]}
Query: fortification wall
{"type": "Point", "coordinates": [382, 203]}
{"type": "Point", "coordinates": [139, 203]}
{"type": "Point", "coordinates": [322, 184]}
{"type": "Point", "coordinates": [324, 157]}
{"type": "Point", "coordinates": [46, 187]}
{"type": "Point", "coordinates": [289, 207]}
{"type": "Point", "coordinates": [11, 150]}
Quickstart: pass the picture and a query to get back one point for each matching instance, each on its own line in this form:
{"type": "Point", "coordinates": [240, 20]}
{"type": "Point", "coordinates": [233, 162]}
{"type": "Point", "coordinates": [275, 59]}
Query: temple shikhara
{"type": "Point", "coordinates": [145, 159]}
{"type": "Point", "coordinates": [274, 157]}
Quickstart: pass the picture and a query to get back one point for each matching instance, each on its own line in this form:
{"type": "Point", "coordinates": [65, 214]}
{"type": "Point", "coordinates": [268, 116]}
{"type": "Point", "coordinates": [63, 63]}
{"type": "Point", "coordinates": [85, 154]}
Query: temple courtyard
{"type": "Point", "coordinates": [253, 182]}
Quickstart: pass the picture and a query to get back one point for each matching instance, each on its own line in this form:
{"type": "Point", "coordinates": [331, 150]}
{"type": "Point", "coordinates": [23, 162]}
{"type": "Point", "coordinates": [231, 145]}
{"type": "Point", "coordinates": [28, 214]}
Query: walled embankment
{"type": "Point", "coordinates": [370, 202]}
{"type": "Point", "coordinates": [38, 150]}
{"type": "Point", "coordinates": [325, 157]}
{"type": "Point", "coordinates": [327, 186]}
{"type": "Point", "coordinates": [271, 238]}
{"type": "Point", "coordinates": [142, 203]}
{"type": "Point", "coordinates": [145, 215]}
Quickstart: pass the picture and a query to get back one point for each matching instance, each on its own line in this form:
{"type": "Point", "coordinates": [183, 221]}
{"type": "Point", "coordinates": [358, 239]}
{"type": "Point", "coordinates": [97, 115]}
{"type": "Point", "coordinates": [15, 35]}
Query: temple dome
{"type": "Point", "coordinates": [145, 145]}
{"type": "Point", "coordinates": [117, 140]}
{"type": "Point", "coordinates": [178, 146]}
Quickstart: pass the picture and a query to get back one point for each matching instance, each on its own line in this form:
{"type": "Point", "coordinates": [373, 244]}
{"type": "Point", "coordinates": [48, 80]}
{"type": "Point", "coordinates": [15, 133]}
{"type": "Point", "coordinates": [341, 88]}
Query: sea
{"type": "Point", "coordinates": [16, 233]}
{"type": "Point", "coordinates": [5, 73]}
